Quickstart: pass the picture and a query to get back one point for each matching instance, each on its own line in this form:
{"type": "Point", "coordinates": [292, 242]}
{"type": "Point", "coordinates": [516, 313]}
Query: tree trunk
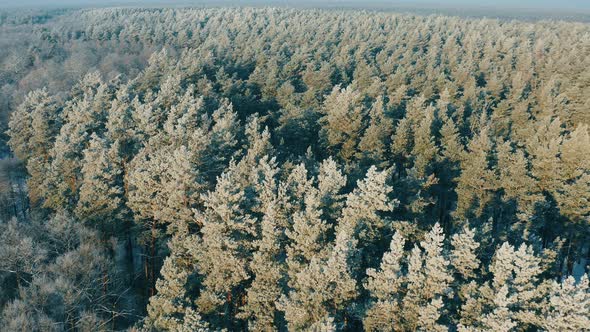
{"type": "Point", "coordinates": [153, 260]}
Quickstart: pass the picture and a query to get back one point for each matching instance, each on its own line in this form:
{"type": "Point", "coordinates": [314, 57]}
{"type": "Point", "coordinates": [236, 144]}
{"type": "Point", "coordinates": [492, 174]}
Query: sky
{"type": "Point", "coordinates": [556, 4]}
{"type": "Point", "coordinates": [531, 4]}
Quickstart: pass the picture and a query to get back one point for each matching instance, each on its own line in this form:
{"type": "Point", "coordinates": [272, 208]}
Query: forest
{"type": "Point", "coordinates": [289, 169]}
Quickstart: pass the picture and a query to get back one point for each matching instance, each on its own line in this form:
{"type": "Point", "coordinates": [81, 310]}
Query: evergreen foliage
{"type": "Point", "coordinates": [232, 169]}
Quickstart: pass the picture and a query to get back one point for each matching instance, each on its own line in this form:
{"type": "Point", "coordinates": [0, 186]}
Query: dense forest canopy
{"type": "Point", "coordinates": [266, 169]}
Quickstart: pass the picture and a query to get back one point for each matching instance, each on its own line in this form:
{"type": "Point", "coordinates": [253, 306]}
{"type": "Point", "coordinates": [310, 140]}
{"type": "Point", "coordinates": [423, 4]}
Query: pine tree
{"type": "Point", "coordinates": [429, 280]}
{"type": "Point", "coordinates": [308, 232]}
{"type": "Point", "coordinates": [146, 197]}
{"type": "Point", "coordinates": [436, 265]}
{"type": "Point", "coordinates": [168, 309]}
{"type": "Point", "coordinates": [324, 286]}
{"type": "Point", "coordinates": [544, 148]}
{"type": "Point", "coordinates": [424, 150]}
{"type": "Point", "coordinates": [62, 180]}
{"type": "Point", "coordinates": [501, 318]}
{"type": "Point", "coordinates": [385, 286]}
{"type": "Point", "coordinates": [451, 146]}
{"type": "Point", "coordinates": [143, 180]}
{"type": "Point", "coordinates": [430, 314]}
{"type": "Point", "coordinates": [101, 200]}
{"type": "Point", "coordinates": [362, 205]}
{"type": "Point", "coordinates": [260, 309]}
{"type": "Point", "coordinates": [569, 305]}
{"type": "Point", "coordinates": [373, 144]}
{"type": "Point", "coordinates": [20, 131]}
{"type": "Point", "coordinates": [34, 125]}
{"type": "Point", "coordinates": [343, 121]}
{"type": "Point", "coordinates": [230, 230]}
{"type": "Point", "coordinates": [415, 280]}
{"type": "Point", "coordinates": [516, 295]}
{"type": "Point", "coordinates": [258, 145]}
{"type": "Point", "coordinates": [181, 184]}
{"type": "Point", "coordinates": [574, 153]}
{"type": "Point", "coordinates": [120, 125]}
{"type": "Point", "coordinates": [518, 185]}
{"type": "Point", "coordinates": [221, 253]}
{"type": "Point", "coordinates": [573, 195]}
{"type": "Point", "coordinates": [477, 183]}
{"type": "Point", "coordinates": [331, 181]}
{"type": "Point", "coordinates": [471, 307]}
{"type": "Point", "coordinates": [572, 200]}
{"type": "Point", "coordinates": [223, 141]}
{"type": "Point", "coordinates": [326, 324]}
{"type": "Point", "coordinates": [32, 130]}
{"type": "Point", "coordinates": [463, 255]}
{"type": "Point", "coordinates": [83, 116]}
{"type": "Point", "coordinates": [402, 143]}
{"type": "Point", "coordinates": [193, 322]}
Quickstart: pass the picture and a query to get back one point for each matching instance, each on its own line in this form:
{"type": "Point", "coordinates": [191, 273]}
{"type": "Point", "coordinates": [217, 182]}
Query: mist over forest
{"type": "Point", "coordinates": [571, 10]}
{"type": "Point", "coordinates": [294, 166]}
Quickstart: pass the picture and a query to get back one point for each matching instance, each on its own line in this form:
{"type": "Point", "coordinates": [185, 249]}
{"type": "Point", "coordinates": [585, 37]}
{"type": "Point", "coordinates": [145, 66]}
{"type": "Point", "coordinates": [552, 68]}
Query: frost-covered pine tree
{"type": "Point", "coordinates": [186, 115]}
{"type": "Point", "coordinates": [451, 147]}
{"type": "Point", "coordinates": [569, 305]}
{"type": "Point", "coordinates": [165, 183]}
{"type": "Point", "coordinates": [227, 231]}
{"type": "Point", "coordinates": [34, 125]}
{"type": "Point", "coordinates": [20, 131]}
{"type": "Point", "coordinates": [373, 144]}
{"type": "Point", "coordinates": [120, 125]}
{"type": "Point", "coordinates": [385, 287]}
{"type": "Point", "coordinates": [429, 279]}
{"type": "Point", "coordinates": [101, 199]}
{"type": "Point", "coordinates": [501, 318]}
{"type": "Point", "coordinates": [516, 295]}
{"type": "Point", "coordinates": [463, 255]}
{"type": "Point", "coordinates": [424, 150]}
{"type": "Point", "coordinates": [168, 309]}
{"type": "Point", "coordinates": [82, 116]}
{"type": "Point", "coordinates": [61, 182]}
{"type": "Point", "coordinates": [32, 130]}
{"type": "Point", "coordinates": [543, 147]}
{"type": "Point", "coordinates": [267, 269]}
{"type": "Point", "coordinates": [572, 194]}
{"type": "Point", "coordinates": [181, 186]}
{"type": "Point", "coordinates": [193, 322]}
{"type": "Point", "coordinates": [363, 204]}
{"type": "Point", "coordinates": [331, 181]}
{"type": "Point", "coordinates": [401, 143]}
{"type": "Point", "coordinates": [326, 324]}
{"type": "Point", "coordinates": [343, 121]}
{"type": "Point", "coordinates": [477, 182]}
{"type": "Point", "coordinates": [518, 186]}
{"type": "Point", "coordinates": [325, 286]}
{"type": "Point", "coordinates": [230, 228]}
{"type": "Point", "coordinates": [146, 197]}
{"type": "Point", "coordinates": [223, 141]}
{"type": "Point", "coordinates": [308, 231]}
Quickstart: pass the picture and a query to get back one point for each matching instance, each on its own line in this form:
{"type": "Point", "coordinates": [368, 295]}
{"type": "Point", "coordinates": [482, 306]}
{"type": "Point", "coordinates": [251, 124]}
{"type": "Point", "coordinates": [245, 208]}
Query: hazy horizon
{"type": "Point", "coordinates": [497, 4]}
